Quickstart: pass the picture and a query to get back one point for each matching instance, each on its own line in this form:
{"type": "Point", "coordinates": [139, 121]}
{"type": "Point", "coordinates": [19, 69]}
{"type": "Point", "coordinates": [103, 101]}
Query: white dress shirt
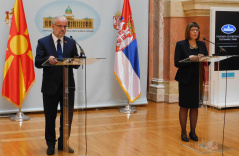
{"type": "Point", "coordinates": [55, 41]}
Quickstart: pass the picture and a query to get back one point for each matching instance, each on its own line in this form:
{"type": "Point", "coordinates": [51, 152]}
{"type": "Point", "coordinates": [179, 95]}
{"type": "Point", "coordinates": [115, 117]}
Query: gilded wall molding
{"type": "Point", "coordinates": [190, 8]}
{"type": "Point", "coordinates": [202, 7]}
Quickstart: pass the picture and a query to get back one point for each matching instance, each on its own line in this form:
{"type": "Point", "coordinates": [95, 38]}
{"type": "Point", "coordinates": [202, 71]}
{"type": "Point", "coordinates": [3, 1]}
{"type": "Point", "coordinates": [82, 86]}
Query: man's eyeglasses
{"type": "Point", "coordinates": [61, 26]}
{"type": "Point", "coordinates": [195, 30]}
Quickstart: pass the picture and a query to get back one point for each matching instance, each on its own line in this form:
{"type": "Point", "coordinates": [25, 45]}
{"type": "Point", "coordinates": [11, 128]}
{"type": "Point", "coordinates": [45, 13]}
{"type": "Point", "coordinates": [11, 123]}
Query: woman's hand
{"type": "Point", "coordinates": [200, 55]}
{"type": "Point", "coordinates": [194, 58]}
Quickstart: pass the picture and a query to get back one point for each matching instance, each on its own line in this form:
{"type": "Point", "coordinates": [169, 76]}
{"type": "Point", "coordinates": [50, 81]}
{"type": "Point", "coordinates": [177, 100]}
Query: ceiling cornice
{"type": "Point", "coordinates": [202, 7]}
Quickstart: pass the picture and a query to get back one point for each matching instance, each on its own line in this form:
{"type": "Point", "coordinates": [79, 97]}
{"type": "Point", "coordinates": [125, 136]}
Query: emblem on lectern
{"type": "Point", "coordinates": [228, 29]}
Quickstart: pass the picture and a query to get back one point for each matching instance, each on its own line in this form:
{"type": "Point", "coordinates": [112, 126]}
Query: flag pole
{"type": "Point", "coordinates": [19, 75]}
{"type": "Point", "coordinates": [126, 67]}
{"type": "Point", "coordinates": [128, 109]}
{"type": "Point", "coordinates": [20, 116]}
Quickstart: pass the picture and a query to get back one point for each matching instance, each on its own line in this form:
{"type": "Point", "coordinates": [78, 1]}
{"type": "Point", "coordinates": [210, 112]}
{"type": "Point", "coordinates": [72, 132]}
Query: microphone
{"type": "Point", "coordinates": [221, 49]}
{"type": "Point", "coordinates": [82, 53]}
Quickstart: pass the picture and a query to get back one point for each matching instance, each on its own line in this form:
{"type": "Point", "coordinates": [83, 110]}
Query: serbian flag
{"type": "Point", "coordinates": [19, 75]}
{"type": "Point", "coordinates": [126, 67]}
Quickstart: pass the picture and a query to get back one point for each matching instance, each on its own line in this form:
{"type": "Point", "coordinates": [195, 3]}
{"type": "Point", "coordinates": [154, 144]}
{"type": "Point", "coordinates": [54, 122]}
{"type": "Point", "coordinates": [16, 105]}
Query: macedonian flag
{"type": "Point", "coordinates": [19, 75]}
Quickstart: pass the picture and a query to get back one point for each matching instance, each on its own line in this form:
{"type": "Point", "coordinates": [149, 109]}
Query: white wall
{"type": "Point", "coordinates": [102, 88]}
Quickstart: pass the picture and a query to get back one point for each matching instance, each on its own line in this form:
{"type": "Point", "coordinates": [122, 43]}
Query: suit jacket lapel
{"type": "Point", "coordinates": [65, 47]}
{"type": "Point", "coordinates": [187, 48]}
{"type": "Point", "coordinates": [52, 45]}
{"type": "Point", "coordinates": [200, 48]}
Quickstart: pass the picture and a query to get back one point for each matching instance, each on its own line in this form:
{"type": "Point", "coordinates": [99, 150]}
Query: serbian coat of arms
{"type": "Point", "coordinates": [116, 20]}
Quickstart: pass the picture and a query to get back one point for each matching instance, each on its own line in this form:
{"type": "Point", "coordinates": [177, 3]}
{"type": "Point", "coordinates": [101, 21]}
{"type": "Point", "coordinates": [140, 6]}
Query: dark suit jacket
{"type": "Point", "coordinates": [182, 51]}
{"type": "Point", "coordinates": [53, 75]}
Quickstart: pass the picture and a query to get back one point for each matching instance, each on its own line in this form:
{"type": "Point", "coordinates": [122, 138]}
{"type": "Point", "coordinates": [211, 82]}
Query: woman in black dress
{"type": "Point", "coordinates": [188, 78]}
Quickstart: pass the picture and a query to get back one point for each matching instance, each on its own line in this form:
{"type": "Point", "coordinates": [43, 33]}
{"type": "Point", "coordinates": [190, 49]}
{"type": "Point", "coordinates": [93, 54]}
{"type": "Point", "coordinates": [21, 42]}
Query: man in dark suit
{"type": "Point", "coordinates": [56, 45]}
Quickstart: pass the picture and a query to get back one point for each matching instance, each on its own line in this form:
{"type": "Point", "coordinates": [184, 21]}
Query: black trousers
{"type": "Point", "coordinates": [50, 104]}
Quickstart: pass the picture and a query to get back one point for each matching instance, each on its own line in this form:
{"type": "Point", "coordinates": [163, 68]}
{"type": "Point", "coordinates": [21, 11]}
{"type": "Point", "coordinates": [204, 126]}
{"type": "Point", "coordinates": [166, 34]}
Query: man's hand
{"type": "Point", "coordinates": [52, 60]}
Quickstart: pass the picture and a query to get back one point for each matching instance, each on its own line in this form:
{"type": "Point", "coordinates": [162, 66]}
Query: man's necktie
{"type": "Point", "coordinates": [59, 50]}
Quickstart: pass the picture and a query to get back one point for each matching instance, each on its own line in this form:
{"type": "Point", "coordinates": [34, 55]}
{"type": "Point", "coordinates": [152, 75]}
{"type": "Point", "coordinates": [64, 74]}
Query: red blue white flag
{"type": "Point", "coordinates": [126, 67]}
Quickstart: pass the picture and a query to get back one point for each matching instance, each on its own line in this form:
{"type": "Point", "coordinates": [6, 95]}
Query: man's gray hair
{"type": "Point", "coordinates": [63, 18]}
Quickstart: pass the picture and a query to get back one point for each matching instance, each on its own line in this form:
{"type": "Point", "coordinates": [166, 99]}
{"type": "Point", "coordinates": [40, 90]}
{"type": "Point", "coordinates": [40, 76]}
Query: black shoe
{"type": "Point", "coordinates": [186, 139]}
{"type": "Point", "coordinates": [70, 150]}
{"type": "Point", "coordinates": [50, 150]}
{"type": "Point", "coordinates": [195, 138]}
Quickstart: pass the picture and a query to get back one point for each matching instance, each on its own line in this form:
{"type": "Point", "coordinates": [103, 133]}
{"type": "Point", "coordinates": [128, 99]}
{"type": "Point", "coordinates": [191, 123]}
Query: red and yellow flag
{"type": "Point", "coordinates": [19, 75]}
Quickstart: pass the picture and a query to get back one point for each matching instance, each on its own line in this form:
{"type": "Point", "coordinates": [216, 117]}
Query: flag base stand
{"type": "Point", "coordinates": [20, 117]}
{"type": "Point", "coordinates": [128, 109]}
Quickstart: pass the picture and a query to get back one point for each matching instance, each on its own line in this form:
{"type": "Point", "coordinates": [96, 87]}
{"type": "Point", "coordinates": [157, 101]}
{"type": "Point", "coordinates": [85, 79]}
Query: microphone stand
{"type": "Point", "coordinates": [223, 52]}
{"type": "Point", "coordinates": [82, 53]}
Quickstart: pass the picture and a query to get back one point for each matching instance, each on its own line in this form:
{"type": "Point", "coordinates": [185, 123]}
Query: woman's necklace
{"type": "Point", "coordinates": [191, 47]}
